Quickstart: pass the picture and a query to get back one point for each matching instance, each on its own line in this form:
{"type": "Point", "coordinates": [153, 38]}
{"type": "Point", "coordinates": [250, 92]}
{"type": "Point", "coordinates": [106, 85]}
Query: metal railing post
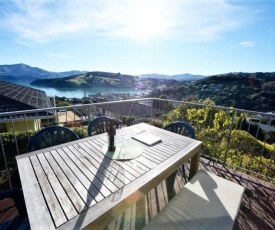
{"type": "Point", "coordinates": [5, 161]}
{"type": "Point", "coordinates": [14, 135]}
{"type": "Point", "coordinates": [162, 106]}
{"type": "Point", "coordinates": [151, 113]}
{"type": "Point", "coordinates": [229, 136]}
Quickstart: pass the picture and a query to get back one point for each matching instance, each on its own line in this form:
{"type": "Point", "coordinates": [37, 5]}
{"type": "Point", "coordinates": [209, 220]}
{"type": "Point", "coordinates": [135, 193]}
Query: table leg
{"type": "Point", "coordinates": [140, 213]}
{"type": "Point", "coordinates": [170, 181]}
{"type": "Point", "coordinates": [194, 166]}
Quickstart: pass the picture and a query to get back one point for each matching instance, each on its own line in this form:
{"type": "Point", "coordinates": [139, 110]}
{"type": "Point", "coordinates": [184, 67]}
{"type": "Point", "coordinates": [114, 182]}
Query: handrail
{"type": "Point", "coordinates": [90, 113]}
{"type": "Point", "coordinates": [134, 100]}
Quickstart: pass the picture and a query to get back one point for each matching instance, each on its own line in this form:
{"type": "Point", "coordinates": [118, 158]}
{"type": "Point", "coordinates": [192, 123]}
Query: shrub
{"type": "Point", "coordinates": [73, 124]}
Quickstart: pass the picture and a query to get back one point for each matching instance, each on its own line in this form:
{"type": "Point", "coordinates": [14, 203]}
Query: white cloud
{"type": "Point", "coordinates": [23, 43]}
{"type": "Point", "coordinates": [58, 55]}
{"type": "Point", "coordinates": [247, 44]}
{"type": "Point", "coordinates": [41, 21]}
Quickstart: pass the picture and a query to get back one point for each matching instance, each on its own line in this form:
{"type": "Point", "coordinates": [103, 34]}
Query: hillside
{"type": "Point", "coordinates": [104, 79]}
{"type": "Point", "coordinates": [241, 90]}
{"type": "Point", "coordinates": [29, 73]}
{"type": "Point", "coordinates": [178, 77]}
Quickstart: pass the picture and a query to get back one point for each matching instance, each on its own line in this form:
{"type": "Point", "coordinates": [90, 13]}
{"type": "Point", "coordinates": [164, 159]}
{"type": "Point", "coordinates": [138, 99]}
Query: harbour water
{"type": "Point", "coordinates": [81, 92]}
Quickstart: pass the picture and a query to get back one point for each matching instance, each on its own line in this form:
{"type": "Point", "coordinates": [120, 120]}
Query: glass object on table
{"type": "Point", "coordinates": [125, 136]}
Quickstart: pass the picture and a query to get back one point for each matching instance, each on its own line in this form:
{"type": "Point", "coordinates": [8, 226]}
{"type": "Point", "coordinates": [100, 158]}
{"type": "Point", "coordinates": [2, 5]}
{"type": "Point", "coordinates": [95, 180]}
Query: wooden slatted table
{"type": "Point", "coordinates": [73, 185]}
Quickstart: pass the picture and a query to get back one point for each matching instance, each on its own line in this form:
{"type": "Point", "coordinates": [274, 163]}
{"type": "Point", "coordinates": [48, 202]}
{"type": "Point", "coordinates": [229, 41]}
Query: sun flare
{"type": "Point", "coordinates": [146, 22]}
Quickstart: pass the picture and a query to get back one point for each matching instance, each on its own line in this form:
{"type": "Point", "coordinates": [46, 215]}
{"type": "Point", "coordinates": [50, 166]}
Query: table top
{"type": "Point", "coordinates": [74, 185]}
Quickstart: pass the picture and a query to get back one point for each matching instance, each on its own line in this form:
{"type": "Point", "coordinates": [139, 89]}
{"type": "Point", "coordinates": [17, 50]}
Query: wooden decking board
{"type": "Point", "coordinates": [83, 193]}
{"type": "Point", "coordinates": [67, 186]}
{"type": "Point", "coordinates": [94, 175]}
{"type": "Point", "coordinates": [37, 202]}
{"type": "Point", "coordinates": [141, 169]}
{"type": "Point", "coordinates": [163, 155]}
{"type": "Point", "coordinates": [115, 169]}
{"type": "Point", "coordinates": [96, 194]}
{"type": "Point", "coordinates": [153, 157]}
{"type": "Point", "coordinates": [137, 165]}
{"type": "Point", "coordinates": [53, 204]}
{"type": "Point", "coordinates": [257, 210]}
{"type": "Point", "coordinates": [100, 172]}
{"type": "Point", "coordinates": [88, 174]}
{"type": "Point", "coordinates": [114, 165]}
{"type": "Point", "coordinates": [60, 194]}
{"type": "Point", "coordinates": [171, 137]}
{"type": "Point", "coordinates": [79, 160]}
{"type": "Point", "coordinates": [8, 210]}
{"type": "Point", "coordinates": [146, 162]}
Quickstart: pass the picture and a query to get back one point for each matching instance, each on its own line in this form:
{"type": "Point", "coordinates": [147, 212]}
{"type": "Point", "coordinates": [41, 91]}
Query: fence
{"type": "Point", "coordinates": [241, 139]}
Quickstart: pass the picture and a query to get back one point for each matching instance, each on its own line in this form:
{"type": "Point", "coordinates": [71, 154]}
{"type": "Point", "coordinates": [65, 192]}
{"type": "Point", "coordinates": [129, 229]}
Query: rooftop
{"type": "Point", "coordinates": [23, 97]}
{"type": "Point", "coordinates": [15, 97]}
{"type": "Point", "coordinates": [131, 109]}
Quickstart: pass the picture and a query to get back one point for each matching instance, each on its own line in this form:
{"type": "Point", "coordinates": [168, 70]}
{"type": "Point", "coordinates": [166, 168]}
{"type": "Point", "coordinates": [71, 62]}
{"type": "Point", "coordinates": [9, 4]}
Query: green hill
{"type": "Point", "coordinates": [104, 79]}
{"type": "Point", "coordinates": [250, 91]}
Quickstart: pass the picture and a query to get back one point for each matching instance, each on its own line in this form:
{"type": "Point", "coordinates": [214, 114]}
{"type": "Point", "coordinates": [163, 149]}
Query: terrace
{"type": "Point", "coordinates": [233, 148]}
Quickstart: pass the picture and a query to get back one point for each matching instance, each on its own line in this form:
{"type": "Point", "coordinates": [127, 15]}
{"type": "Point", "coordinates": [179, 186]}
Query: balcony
{"type": "Point", "coordinates": [238, 145]}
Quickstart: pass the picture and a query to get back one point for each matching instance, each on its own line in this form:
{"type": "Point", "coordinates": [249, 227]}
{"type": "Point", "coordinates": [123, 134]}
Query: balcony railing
{"type": "Point", "coordinates": [240, 139]}
{"type": "Point", "coordinates": [238, 144]}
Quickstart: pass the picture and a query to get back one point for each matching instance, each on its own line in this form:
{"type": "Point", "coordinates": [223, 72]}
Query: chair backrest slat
{"type": "Point", "coordinates": [101, 125]}
{"type": "Point", "coordinates": [51, 136]}
{"type": "Point", "coordinates": [182, 128]}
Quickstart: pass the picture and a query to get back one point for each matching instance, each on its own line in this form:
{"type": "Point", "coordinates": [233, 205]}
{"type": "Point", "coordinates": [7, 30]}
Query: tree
{"type": "Point", "coordinates": [62, 103]}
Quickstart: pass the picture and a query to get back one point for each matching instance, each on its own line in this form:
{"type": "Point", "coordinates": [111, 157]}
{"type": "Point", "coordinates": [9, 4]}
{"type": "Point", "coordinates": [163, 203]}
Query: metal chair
{"type": "Point", "coordinates": [20, 221]}
{"type": "Point", "coordinates": [101, 125]}
{"type": "Point", "coordinates": [50, 136]}
{"type": "Point", "coordinates": [185, 129]}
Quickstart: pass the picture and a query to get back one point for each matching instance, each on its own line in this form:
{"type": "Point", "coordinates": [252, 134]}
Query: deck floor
{"type": "Point", "coordinates": [257, 210]}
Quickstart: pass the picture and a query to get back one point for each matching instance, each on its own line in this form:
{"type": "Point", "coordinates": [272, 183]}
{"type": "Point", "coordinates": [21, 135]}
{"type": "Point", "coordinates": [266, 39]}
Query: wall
{"type": "Point", "coordinates": [21, 125]}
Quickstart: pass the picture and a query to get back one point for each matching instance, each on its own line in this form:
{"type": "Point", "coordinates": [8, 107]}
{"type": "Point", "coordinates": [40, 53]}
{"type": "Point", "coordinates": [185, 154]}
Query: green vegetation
{"type": "Point", "coordinates": [251, 151]}
{"type": "Point", "coordinates": [103, 79]}
{"type": "Point", "coordinates": [237, 148]}
{"type": "Point", "coordinates": [22, 138]}
{"type": "Point", "coordinates": [241, 90]}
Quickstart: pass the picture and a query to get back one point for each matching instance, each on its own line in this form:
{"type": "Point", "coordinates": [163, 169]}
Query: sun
{"type": "Point", "coordinates": [146, 21]}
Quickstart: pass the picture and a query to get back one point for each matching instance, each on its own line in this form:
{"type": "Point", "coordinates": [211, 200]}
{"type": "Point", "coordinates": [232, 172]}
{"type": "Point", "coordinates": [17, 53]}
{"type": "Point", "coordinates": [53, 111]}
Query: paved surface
{"type": "Point", "coordinates": [67, 116]}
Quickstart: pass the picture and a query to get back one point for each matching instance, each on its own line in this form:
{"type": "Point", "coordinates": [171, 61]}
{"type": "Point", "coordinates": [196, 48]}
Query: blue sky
{"type": "Point", "coordinates": [137, 37]}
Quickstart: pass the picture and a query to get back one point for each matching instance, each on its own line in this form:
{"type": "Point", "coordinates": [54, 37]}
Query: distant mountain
{"type": "Point", "coordinates": [7, 78]}
{"type": "Point", "coordinates": [25, 72]}
{"type": "Point", "coordinates": [179, 77]}
{"type": "Point", "coordinates": [28, 73]}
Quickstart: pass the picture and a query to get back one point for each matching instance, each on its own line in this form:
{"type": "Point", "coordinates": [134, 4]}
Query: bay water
{"type": "Point", "coordinates": [81, 92]}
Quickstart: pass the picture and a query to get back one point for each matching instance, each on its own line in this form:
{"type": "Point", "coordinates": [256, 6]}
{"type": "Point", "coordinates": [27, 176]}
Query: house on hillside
{"type": "Point", "coordinates": [129, 109]}
{"type": "Point", "coordinates": [15, 97]}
